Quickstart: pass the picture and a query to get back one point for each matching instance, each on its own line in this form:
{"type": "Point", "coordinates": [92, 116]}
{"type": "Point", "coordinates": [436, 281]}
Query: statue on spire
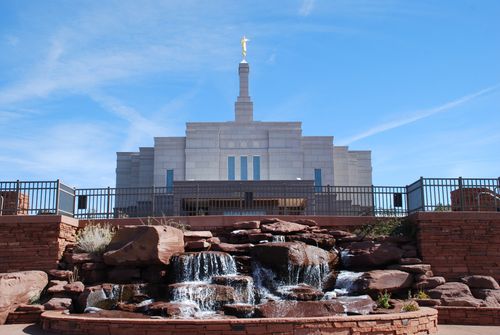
{"type": "Point", "coordinates": [244, 41]}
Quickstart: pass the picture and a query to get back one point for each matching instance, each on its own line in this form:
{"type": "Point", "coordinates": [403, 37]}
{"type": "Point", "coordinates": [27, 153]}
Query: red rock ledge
{"type": "Point", "coordinates": [420, 322]}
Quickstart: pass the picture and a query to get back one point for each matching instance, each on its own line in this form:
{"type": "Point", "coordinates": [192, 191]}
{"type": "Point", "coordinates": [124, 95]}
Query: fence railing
{"type": "Point", "coordinates": [36, 198]}
{"type": "Point", "coordinates": [250, 198]}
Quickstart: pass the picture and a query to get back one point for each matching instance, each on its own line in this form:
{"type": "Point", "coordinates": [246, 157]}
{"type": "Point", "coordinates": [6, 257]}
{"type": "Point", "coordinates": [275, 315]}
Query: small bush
{"type": "Point", "coordinates": [94, 238]}
{"type": "Point", "coordinates": [421, 294]}
{"type": "Point", "coordinates": [163, 221]}
{"type": "Point", "coordinates": [410, 306]}
{"type": "Point", "coordinates": [388, 227]}
{"type": "Point", "coordinates": [383, 300]}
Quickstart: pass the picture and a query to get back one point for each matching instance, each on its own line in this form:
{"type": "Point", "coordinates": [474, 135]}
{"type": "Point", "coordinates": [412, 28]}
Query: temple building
{"type": "Point", "coordinates": [264, 153]}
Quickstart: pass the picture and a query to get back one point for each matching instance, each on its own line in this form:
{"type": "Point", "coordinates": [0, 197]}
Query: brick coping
{"type": "Point", "coordinates": [34, 219]}
{"type": "Point", "coordinates": [423, 312]}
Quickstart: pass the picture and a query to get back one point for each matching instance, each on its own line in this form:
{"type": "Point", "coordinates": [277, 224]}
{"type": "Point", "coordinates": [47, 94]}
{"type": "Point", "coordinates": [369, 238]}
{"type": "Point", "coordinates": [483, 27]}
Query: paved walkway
{"type": "Point", "coordinates": [30, 329]}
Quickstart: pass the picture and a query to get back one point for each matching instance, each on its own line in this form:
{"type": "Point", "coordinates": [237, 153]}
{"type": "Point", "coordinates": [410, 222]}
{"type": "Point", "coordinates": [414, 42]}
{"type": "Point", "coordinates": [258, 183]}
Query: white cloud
{"type": "Point", "coordinates": [418, 116]}
{"type": "Point", "coordinates": [306, 7]}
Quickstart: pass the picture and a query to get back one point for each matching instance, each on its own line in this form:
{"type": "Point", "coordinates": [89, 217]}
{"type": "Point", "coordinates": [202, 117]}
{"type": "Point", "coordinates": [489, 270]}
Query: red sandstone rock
{"type": "Point", "coordinates": [197, 246]}
{"type": "Point", "coordinates": [306, 222]}
{"type": "Point", "coordinates": [360, 305]}
{"type": "Point", "coordinates": [56, 286]}
{"type": "Point", "coordinates": [242, 235]}
{"type": "Point", "coordinates": [172, 309]}
{"type": "Point", "coordinates": [324, 241]}
{"type": "Point", "coordinates": [30, 308]}
{"type": "Point", "coordinates": [239, 310]}
{"type": "Point", "coordinates": [481, 282]}
{"type": "Point", "coordinates": [74, 288]}
{"type": "Point", "coordinates": [154, 274]}
{"type": "Point", "coordinates": [197, 235]}
{"type": "Point", "coordinates": [455, 294]}
{"type": "Point", "coordinates": [57, 304]}
{"type": "Point", "coordinates": [294, 309]}
{"type": "Point", "coordinates": [301, 292]}
{"type": "Point", "coordinates": [246, 225]}
{"type": "Point", "coordinates": [233, 248]}
{"type": "Point", "coordinates": [428, 302]}
{"type": "Point", "coordinates": [368, 254]}
{"type": "Point", "coordinates": [144, 245]}
{"type": "Point", "coordinates": [410, 261]}
{"type": "Point", "coordinates": [19, 288]}
{"type": "Point", "coordinates": [60, 274]}
{"type": "Point", "coordinates": [279, 255]}
{"type": "Point", "coordinates": [219, 295]}
{"type": "Point", "coordinates": [213, 240]}
{"type": "Point", "coordinates": [411, 268]}
{"type": "Point", "coordinates": [429, 283]}
{"type": "Point", "coordinates": [341, 234]}
{"type": "Point", "coordinates": [383, 280]}
{"type": "Point", "coordinates": [282, 227]}
{"type": "Point", "coordinates": [269, 220]}
{"type": "Point", "coordinates": [93, 266]}
{"type": "Point", "coordinates": [491, 297]}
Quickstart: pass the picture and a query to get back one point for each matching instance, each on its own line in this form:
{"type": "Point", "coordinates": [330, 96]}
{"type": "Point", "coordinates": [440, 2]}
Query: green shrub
{"type": "Point", "coordinates": [94, 238]}
{"type": "Point", "coordinates": [410, 306]}
{"type": "Point", "coordinates": [388, 227]}
{"type": "Point", "coordinates": [383, 300]}
{"type": "Point", "coordinates": [164, 221]}
{"type": "Point", "coordinates": [421, 294]}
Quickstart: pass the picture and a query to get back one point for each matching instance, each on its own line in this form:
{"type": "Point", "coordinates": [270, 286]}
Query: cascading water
{"type": "Point", "coordinates": [313, 275]}
{"type": "Point", "coordinates": [346, 282]}
{"type": "Point", "coordinates": [278, 238]}
{"type": "Point", "coordinates": [202, 266]}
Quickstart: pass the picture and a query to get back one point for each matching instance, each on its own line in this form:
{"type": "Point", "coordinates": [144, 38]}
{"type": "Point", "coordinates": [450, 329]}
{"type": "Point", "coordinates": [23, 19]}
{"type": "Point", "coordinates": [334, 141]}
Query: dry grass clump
{"type": "Point", "coordinates": [94, 238]}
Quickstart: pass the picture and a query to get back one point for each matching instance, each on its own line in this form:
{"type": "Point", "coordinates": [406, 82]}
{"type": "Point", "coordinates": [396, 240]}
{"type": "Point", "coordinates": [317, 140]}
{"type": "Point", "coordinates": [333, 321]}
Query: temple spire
{"type": "Point", "coordinates": [244, 105]}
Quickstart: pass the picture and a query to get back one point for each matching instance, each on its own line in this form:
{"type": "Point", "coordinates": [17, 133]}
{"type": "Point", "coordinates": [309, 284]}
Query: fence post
{"type": "Point", "coordinates": [460, 184]}
{"type": "Point", "coordinates": [373, 200]}
{"type": "Point", "coordinates": [197, 199]}
{"type": "Point", "coordinates": [422, 194]}
{"type": "Point", "coordinates": [58, 188]}
{"type": "Point", "coordinates": [17, 197]}
{"type": "Point", "coordinates": [153, 201]}
{"type": "Point", "coordinates": [108, 210]}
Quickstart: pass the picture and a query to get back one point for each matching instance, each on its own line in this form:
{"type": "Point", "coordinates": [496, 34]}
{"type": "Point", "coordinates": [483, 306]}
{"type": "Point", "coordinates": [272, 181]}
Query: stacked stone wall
{"type": "Point", "coordinates": [34, 242]}
{"type": "Point", "coordinates": [469, 315]}
{"type": "Point", "coordinates": [457, 244]}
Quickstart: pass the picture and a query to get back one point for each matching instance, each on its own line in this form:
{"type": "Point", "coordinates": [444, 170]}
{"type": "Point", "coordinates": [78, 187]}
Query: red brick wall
{"type": "Point", "coordinates": [460, 243]}
{"type": "Point", "coordinates": [420, 322]}
{"type": "Point", "coordinates": [34, 242]}
{"type": "Point", "coordinates": [469, 316]}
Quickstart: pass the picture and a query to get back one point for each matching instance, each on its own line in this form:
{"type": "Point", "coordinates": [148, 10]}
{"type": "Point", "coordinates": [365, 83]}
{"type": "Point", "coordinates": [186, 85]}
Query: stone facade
{"type": "Point", "coordinates": [278, 150]}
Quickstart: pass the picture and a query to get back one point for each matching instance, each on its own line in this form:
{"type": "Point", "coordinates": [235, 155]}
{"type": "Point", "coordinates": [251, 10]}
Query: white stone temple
{"type": "Point", "coordinates": [243, 149]}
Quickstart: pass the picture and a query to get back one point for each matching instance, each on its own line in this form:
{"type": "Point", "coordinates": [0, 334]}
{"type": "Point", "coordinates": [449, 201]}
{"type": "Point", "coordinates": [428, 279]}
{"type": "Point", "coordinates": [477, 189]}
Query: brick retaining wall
{"type": "Point", "coordinates": [421, 322]}
{"type": "Point", "coordinates": [34, 242]}
{"type": "Point", "coordinates": [469, 315]}
{"type": "Point", "coordinates": [460, 243]}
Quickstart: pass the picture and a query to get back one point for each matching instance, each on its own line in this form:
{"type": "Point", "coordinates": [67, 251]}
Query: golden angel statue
{"type": "Point", "coordinates": [244, 41]}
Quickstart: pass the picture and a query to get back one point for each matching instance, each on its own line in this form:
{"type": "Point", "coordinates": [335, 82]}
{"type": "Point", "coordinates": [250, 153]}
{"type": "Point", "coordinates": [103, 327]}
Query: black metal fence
{"type": "Point", "coordinates": [250, 198]}
{"type": "Point", "coordinates": [36, 198]}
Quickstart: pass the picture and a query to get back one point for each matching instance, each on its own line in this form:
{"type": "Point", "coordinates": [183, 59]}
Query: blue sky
{"type": "Point", "coordinates": [416, 82]}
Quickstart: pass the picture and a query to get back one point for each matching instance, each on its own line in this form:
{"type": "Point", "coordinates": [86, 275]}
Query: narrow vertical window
{"type": "Point", "coordinates": [170, 181]}
{"type": "Point", "coordinates": [256, 167]}
{"type": "Point", "coordinates": [244, 167]}
{"type": "Point", "coordinates": [230, 168]}
{"type": "Point", "coordinates": [317, 180]}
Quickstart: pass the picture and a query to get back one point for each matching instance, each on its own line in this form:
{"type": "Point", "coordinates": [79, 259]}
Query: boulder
{"type": "Point", "coordinates": [410, 261]}
{"type": "Point", "coordinates": [246, 225]}
{"type": "Point", "coordinates": [93, 266]}
{"type": "Point", "coordinates": [76, 287]}
{"type": "Point", "coordinates": [213, 240]}
{"type": "Point", "coordinates": [455, 294]}
{"type": "Point", "coordinates": [324, 241]}
{"type": "Point", "coordinates": [154, 274]}
{"type": "Point", "coordinates": [362, 305]}
{"type": "Point", "coordinates": [197, 235]}
{"type": "Point", "coordinates": [300, 292]}
{"type": "Point", "coordinates": [481, 282]}
{"type": "Point", "coordinates": [282, 227]}
{"type": "Point", "coordinates": [242, 235]}
{"type": "Point", "coordinates": [298, 309]}
{"type": "Point", "coordinates": [58, 304]}
{"type": "Point", "coordinates": [30, 308]}
{"type": "Point", "coordinates": [269, 220]}
{"type": "Point", "coordinates": [373, 282]}
{"type": "Point", "coordinates": [411, 268]}
{"type": "Point", "coordinates": [306, 222]}
{"type": "Point", "coordinates": [207, 296]}
{"type": "Point", "coordinates": [342, 234]}
{"type": "Point", "coordinates": [172, 309]}
{"type": "Point", "coordinates": [197, 246]}
{"type": "Point", "coordinates": [243, 286]}
{"type": "Point", "coordinates": [280, 255]}
{"type": "Point", "coordinates": [428, 302]}
{"type": "Point", "coordinates": [60, 274]}
{"type": "Point", "coordinates": [239, 310]}
{"type": "Point", "coordinates": [144, 245]}
{"type": "Point", "coordinates": [233, 248]}
{"type": "Point", "coordinates": [491, 297]}
{"type": "Point", "coordinates": [18, 288]}
{"type": "Point", "coordinates": [79, 258]}
{"type": "Point", "coordinates": [56, 286]}
{"type": "Point", "coordinates": [369, 255]}
{"type": "Point", "coordinates": [429, 283]}
{"type": "Point", "coordinates": [103, 296]}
